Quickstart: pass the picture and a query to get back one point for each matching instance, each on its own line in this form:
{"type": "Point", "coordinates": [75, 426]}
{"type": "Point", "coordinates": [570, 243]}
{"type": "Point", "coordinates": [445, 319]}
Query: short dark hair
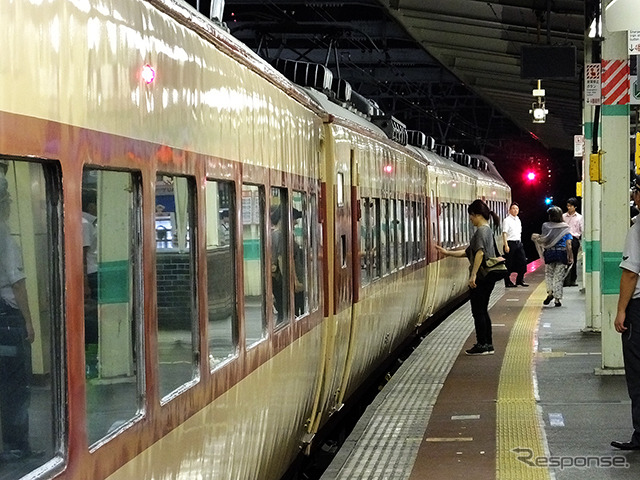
{"type": "Point", "coordinates": [555, 214]}
{"type": "Point", "coordinates": [573, 201]}
{"type": "Point", "coordinates": [276, 215]}
{"type": "Point", "coordinates": [514, 203]}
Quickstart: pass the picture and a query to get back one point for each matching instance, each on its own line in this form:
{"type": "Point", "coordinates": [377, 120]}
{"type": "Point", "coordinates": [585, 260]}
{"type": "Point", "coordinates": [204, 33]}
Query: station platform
{"type": "Point", "coordinates": [536, 409]}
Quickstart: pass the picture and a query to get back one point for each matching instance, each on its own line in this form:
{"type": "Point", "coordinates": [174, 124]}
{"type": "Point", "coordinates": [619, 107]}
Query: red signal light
{"type": "Point", "coordinates": [530, 175]}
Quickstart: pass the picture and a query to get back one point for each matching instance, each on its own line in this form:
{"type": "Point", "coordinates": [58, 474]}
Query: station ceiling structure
{"type": "Point", "coordinates": [450, 68]}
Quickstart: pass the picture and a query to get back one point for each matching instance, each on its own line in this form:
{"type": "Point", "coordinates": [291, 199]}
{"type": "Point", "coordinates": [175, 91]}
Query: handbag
{"type": "Point", "coordinates": [494, 268]}
{"type": "Point", "coordinates": [556, 255]}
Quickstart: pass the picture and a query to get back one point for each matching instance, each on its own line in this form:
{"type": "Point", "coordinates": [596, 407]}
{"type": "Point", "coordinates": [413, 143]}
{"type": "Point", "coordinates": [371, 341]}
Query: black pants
{"type": "Point", "coordinates": [278, 296]}
{"type": "Point", "coordinates": [516, 261]}
{"type": "Point", "coordinates": [15, 377]}
{"type": "Point", "coordinates": [631, 354]}
{"type": "Point", "coordinates": [479, 298]}
{"type": "Point", "coordinates": [572, 276]}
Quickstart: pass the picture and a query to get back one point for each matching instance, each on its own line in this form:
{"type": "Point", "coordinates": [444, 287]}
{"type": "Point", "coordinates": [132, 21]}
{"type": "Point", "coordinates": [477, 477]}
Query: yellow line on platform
{"type": "Point", "coordinates": [448, 439]}
{"type": "Point", "coordinates": [519, 434]}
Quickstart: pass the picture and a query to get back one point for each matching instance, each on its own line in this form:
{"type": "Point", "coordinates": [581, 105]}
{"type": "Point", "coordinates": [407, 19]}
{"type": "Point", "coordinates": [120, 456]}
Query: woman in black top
{"type": "Point", "coordinates": [481, 247]}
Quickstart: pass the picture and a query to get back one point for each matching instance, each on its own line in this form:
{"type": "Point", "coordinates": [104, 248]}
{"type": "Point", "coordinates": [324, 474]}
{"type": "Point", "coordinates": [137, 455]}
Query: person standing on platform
{"type": "Point", "coordinates": [576, 224]}
{"type": "Point", "coordinates": [513, 248]}
{"type": "Point", "coordinates": [627, 321]}
{"type": "Point", "coordinates": [481, 247]}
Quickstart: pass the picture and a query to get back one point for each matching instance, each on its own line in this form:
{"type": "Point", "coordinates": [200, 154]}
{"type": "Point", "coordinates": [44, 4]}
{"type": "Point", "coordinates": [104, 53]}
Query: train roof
{"type": "Point", "coordinates": [339, 111]}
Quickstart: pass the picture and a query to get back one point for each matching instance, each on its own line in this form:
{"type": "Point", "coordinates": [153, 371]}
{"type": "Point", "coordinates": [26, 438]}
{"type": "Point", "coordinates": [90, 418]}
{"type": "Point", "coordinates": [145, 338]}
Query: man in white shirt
{"type": "Point", "coordinates": [576, 225]}
{"type": "Point", "coordinates": [627, 321]}
{"type": "Point", "coordinates": [513, 248]}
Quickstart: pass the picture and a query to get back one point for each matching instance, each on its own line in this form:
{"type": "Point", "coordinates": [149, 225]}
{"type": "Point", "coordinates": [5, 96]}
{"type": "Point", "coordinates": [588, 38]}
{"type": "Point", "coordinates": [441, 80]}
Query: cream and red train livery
{"type": "Point", "coordinates": [215, 256]}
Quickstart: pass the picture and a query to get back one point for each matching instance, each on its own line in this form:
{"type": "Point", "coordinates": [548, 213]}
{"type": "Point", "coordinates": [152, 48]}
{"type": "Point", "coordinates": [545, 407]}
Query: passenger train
{"type": "Point", "coordinates": [217, 250]}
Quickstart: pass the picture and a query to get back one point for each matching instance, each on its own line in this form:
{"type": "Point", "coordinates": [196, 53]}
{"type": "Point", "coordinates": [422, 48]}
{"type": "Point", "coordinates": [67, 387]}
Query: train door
{"type": "Point", "coordinates": [343, 275]}
{"type": "Point", "coordinates": [343, 259]}
{"type": "Point", "coordinates": [338, 281]}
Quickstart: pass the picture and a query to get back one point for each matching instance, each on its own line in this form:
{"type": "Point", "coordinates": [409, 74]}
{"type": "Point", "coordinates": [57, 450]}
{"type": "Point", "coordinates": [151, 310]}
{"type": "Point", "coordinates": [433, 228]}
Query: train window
{"type": "Point", "coordinates": [253, 228]}
{"type": "Point", "coordinates": [457, 225]}
{"type": "Point", "coordinates": [408, 228]}
{"type": "Point", "coordinates": [441, 226]}
{"type": "Point", "coordinates": [31, 343]}
{"type": "Point", "coordinates": [449, 216]}
{"type": "Point", "coordinates": [301, 253]}
{"type": "Point", "coordinates": [314, 238]}
{"type": "Point", "coordinates": [112, 316]}
{"type": "Point", "coordinates": [175, 279]}
{"type": "Point", "coordinates": [393, 241]}
{"type": "Point", "coordinates": [400, 232]}
{"type": "Point", "coordinates": [280, 278]}
{"type": "Point", "coordinates": [433, 216]}
{"type": "Point", "coordinates": [221, 272]}
{"type": "Point", "coordinates": [385, 243]}
{"type": "Point", "coordinates": [420, 219]}
{"type": "Point", "coordinates": [414, 232]}
{"type": "Point", "coordinates": [365, 241]}
{"type": "Point", "coordinates": [340, 189]}
{"type": "Point", "coordinates": [375, 232]}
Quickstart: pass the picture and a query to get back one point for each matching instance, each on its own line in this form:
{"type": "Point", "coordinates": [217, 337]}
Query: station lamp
{"type": "Point", "coordinates": [538, 109]}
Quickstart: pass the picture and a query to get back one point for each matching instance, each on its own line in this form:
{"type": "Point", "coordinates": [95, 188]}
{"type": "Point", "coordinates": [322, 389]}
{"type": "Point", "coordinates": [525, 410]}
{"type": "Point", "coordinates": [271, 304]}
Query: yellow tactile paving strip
{"type": "Point", "coordinates": [519, 429]}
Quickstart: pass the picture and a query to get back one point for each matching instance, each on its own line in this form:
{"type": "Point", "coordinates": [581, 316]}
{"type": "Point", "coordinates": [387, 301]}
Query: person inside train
{"type": "Point", "coordinates": [277, 262]}
{"type": "Point", "coordinates": [298, 267]}
{"type": "Point", "coordinates": [16, 336]}
{"type": "Point", "coordinates": [481, 247]}
{"type": "Point", "coordinates": [90, 266]}
{"type": "Point", "coordinates": [554, 246]}
{"type": "Point", "coordinates": [513, 248]}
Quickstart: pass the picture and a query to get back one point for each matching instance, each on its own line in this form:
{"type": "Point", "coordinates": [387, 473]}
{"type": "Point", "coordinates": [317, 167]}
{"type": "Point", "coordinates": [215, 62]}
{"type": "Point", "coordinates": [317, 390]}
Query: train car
{"type": "Point", "coordinates": [202, 259]}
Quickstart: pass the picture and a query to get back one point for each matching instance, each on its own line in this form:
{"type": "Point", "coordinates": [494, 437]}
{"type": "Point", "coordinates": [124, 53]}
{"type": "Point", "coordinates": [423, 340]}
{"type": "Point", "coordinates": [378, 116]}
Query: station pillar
{"type": "Point", "coordinates": [591, 206]}
{"type": "Point", "coordinates": [614, 211]}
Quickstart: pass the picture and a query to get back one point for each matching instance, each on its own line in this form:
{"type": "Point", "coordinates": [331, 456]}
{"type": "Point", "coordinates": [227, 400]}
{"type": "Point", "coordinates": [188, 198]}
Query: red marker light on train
{"type": "Point", "coordinates": [388, 168]}
{"type": "Point", "coordinates": [148, 74]}
{"type": "Point", "coordinates": [531, 175]}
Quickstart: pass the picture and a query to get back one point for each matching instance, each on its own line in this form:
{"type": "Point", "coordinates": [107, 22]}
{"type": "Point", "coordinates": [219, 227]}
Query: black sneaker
{"type": "Point", "coordinates": [558, 303]}
{"type": "Point", "coordinates": [490, 349]}
{"type": "Point", "coordinates": [547, 300]}
{"type": "Point", "coordinates": [478, 349]}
